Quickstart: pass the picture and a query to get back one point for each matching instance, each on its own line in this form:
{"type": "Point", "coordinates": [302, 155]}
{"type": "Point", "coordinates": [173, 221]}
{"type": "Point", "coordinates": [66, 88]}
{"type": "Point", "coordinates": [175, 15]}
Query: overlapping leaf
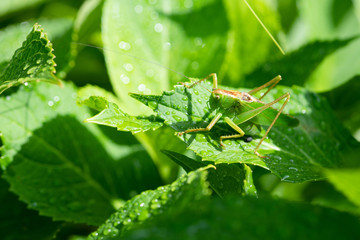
{"type": "Point", "coordinates": [294, 154]}
{"type": "Point", "coordinates": [249, 218]}
{"type": "Point", "coordinates": [111, 115]}
{"type": "Point", "coordinates": [62, 167]}
{"type": "Point", "coordinates": [150, 204]}
{"type": "Point", "coordinates": [224, 179]}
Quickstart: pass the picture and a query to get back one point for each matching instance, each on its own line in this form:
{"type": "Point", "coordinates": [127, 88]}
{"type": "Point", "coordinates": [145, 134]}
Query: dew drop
{"type": "Point", "coordinates": [195, 65]}
{"type": "Point", "coordinates": [124, 45]}
{"type": "Point", "coordinates": [127, 221]}
{"type": "Point", "coordinates": [198, 41]}
{"type": "Point", "coordinates": [50, 103]}
{"type": "Point", "coordinates": [177, 118]}
{"type": "Point", "coordinates": [8, 98]}
{"type": "Point", "coordinates": [38, 61]}
{"type": "Point", "coordinates": [293, 168]}
{"type": "Point", "coordinates": [158, 27]}
{"type": "Point", "coordinates": [125, 79]}
{"type": "Point", "coordinates": [188, 3]}
{"type": "Point", "coordinates": [154, 15]}
{"type": "Point", "coordinates": [138, 8]}
{"type": "Point", "coordinates": [141, 87]}
{"type": "Point", "coordinates": [31, 70]}
{"type": "Point", "coordinates": [167, 46]}
{"type": "Point", "coordinates": [56, 98]}
{"type": "Point", "coordinates": [150, 73]}
{"type": "Point", "coordinates": [26, 84]}
{"type": "Point", "coordinates": [285, 177]}
{"type": "Point", "coordinates": [128, 67]}
{"type": "Point", "coordinates": [323, 125]}
{"type": "Point", "coordinates": [147, 91]}
{"type": "Point", "coordinates": [26, 66]}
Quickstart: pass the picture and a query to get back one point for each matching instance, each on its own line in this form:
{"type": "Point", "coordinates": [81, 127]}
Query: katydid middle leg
{"type": "Point", "coordinates": [211, 75]}
{"type": "Point", "coordinates": [272, 83]}
{"type": "Point", "coordinates": [235, 127]}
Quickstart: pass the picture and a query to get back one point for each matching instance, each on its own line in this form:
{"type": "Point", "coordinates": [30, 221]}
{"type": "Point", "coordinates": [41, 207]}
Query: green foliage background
{"type": "Point", "coordinates": [128, 176]}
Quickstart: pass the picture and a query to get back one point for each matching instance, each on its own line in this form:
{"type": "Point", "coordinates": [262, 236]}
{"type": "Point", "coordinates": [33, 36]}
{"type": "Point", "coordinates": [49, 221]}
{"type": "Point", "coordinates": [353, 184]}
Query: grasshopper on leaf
{"type": "Point", "coordinates": [240, 108]}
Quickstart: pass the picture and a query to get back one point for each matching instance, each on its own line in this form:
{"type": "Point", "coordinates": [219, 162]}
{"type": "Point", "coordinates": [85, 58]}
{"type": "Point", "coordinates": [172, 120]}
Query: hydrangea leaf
{"type": "Point", "coordinates": [150, 204]}
{"type": "Point", "coordinates": [62, 167]}
{"type": "Point", "coordinates": [111, 115]}
{"type": "Point", "coordinates": [34, 61]}
{"type": "Point", "coordinates": [250, 218]}
{"type": "Point", "coordinates": [224, 179]}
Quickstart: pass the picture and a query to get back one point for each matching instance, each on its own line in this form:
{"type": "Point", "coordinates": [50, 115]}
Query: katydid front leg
{"type": "Point", "coordinates": [211, 75]}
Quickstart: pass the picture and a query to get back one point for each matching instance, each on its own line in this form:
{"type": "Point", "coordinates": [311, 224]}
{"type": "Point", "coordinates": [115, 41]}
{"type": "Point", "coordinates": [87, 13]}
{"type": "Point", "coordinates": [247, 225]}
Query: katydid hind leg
{"type": "Point", "coordinates": [287, 96]}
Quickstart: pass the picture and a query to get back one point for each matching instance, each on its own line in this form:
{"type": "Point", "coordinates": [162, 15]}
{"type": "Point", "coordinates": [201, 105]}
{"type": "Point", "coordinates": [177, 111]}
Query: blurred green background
{"type": "Point", "coordinates": [142, 39]}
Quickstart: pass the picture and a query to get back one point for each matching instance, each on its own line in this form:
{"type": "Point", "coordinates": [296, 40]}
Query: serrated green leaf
{"type": "Point", "coordinates": [61, 166]}
{"type": "Point", "coordinates": [12, 36]}
{"type": "Point", "coordinates": [59, 32]}
{"type": "Point", "coordinates": [111, 115]}
{"type": "Point", "coordinates": [224, 179]}
{"type": "Point", "coordinates": [249, 218]}
{"type": "Point", "coordinates": [294, 154]}
{"type": "Point", "coordinates": [188, 164]}
{"type": "Point", "coordinates": [249, 186]}
{"type": "Point", "coordinates": [18, 222]}
{"type": "Point", "coordinates": [148, 205]}
{"type": "Point", "coordinates": [34, 61]}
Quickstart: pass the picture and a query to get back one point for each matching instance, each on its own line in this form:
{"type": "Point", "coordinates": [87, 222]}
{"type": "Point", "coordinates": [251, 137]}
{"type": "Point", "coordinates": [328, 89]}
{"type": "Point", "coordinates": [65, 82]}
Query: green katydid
{"type": "Point", "coordinates": [241, 108]}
